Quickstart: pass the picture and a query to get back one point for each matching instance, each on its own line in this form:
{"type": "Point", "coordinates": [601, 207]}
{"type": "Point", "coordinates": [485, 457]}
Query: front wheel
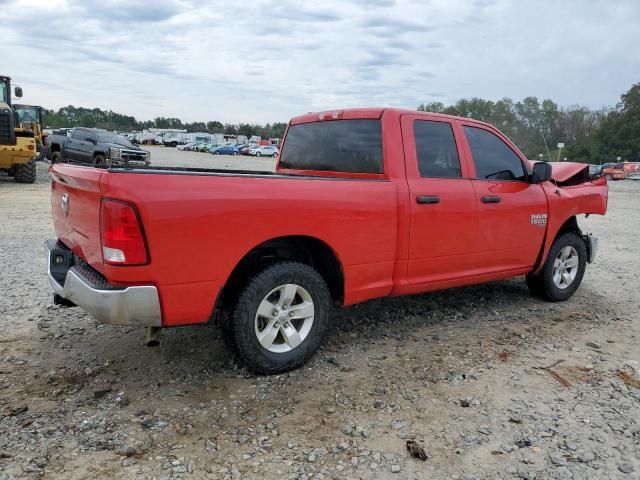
{"type": "Point", "coordinates": [56, 157]}
{"type": "Point", "coordinates": [25, 172]}
{"type": "Point", "coordinates": [281, 318]}
{"type": "Point", "coordinates": [99, 160]}
{"type": "Point", "coordinates": [258, 154]}
{"type": "Point", "coordinates": [563, 270]}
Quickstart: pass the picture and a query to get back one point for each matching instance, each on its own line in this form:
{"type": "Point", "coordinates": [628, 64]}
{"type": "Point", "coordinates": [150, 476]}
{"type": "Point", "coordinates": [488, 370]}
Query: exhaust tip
{"type": "Point", "coordinates": [152, 337]}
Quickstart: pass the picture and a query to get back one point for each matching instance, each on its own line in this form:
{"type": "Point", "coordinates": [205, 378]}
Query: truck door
{"type": "Point", "coordinates": [89, 147]}
{"type": "Point", "coordinates": [443, 230]}
{"type": "Point", "coordinates": [74, 145]}
{"type": "Point", "coordinates": [512, 213]}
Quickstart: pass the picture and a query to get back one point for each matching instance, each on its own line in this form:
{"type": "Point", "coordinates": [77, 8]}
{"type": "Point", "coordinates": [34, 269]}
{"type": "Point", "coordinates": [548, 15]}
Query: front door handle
{"type": "Point", "coordinates": [427, 199]}
{"type": "Point", "coordinates": [491, 199]}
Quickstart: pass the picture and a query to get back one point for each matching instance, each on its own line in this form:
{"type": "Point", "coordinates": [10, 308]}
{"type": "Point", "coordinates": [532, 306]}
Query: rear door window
{"type": "Point", "coordinates": [436, 149]}
{"type": "Point", "coordinates": [492, 157]}
{"type": "Point", "coordinates": [352, 146]}
{"type": "Point", "coordinates": [78, 134]}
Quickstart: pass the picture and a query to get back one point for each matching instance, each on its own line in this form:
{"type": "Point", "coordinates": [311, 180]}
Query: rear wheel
{"type": "Point", "coordinates": [281, 318]}
{"type": "Point", "coordinates": [25, 172]}
{"type": "Point", "coordinates": [563, 270]}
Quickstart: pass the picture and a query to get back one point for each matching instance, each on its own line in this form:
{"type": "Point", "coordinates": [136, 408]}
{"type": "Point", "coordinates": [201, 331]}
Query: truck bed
{"type": "Point", "coordinates": [200, 222]}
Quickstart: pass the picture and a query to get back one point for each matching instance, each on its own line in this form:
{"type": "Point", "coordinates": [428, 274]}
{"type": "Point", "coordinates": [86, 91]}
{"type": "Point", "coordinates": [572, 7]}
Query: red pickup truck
{"type": "Point", "coordinates": [364, 203]}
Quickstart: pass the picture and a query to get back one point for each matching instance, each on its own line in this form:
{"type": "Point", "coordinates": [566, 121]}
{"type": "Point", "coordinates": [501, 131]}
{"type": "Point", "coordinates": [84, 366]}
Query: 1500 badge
{"type": "Point", "coordinates": [538, 219]}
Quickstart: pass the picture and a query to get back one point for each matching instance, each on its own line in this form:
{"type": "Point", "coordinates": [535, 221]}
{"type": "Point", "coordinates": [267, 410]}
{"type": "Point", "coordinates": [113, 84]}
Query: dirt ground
{"type": "Point", "coordinates": [491, 382]}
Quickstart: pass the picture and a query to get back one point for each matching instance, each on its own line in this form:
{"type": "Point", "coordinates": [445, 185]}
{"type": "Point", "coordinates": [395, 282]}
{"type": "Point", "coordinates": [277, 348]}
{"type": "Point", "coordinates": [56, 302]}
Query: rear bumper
{"type": "Point", "coordinates": [135, 306]}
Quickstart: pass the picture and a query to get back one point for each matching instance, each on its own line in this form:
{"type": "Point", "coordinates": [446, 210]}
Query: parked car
{"type": "Point", "coordinates": [595, 170]}
{"type": "Point", "coordinates": [621, 170]}
{"type": "Point", "coordinates": [186, 146]}
{"type": "Point", "coordinates": [204, 147]}
{"type": "Point", "coordinates": [225, 150]}
{"type": "Point", "coordinates": [96, 147]}
{"type": "Point", "coordinates": [264, 151]}
{"type": "Point", "coordinates": [245, 150]}
{"type": "Point", "coordinates": [448, 201]}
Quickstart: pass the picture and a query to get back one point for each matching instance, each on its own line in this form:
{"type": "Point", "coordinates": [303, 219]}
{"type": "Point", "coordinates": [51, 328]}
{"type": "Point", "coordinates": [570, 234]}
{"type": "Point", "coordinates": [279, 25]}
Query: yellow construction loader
{"type": "Point", "coordinates": [30, 118]}
{"type": "Point", "coordinates": [18, 148]}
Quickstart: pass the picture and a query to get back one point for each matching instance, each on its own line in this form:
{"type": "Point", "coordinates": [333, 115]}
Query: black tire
{"type": "Point", "coordinates": [256, 357]}
{"type": "Point", "coordinates": [543, 284]}
{"type": "Point", "coordinates": [56, 157]}
{"type": "Point", "coordinates": [99, 161]}
{"type": "Point", "coordinates": [258, 154]}
{"type": "Point", "coordinates": [25, 172]}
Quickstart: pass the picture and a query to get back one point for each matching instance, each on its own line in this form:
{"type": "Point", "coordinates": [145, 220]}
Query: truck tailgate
{"type": "Point", "coordinates": [75, 204]}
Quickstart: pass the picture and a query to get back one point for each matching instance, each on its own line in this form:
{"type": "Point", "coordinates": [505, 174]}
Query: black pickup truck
{"type": "Point", "coordinates": [95, 147]}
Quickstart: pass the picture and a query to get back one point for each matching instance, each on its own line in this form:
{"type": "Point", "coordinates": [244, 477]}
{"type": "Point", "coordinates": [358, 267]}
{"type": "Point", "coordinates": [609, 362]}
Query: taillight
{"type": "Point", "coordinates": [123, 241]}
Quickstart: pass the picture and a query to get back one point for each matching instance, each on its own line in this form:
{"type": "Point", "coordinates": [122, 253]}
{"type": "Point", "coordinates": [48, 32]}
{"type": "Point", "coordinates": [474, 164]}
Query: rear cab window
{"type": "Point", "coordinates": [351, 146]}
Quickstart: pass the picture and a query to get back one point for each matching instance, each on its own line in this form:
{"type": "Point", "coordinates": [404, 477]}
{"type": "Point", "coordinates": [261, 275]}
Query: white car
{"type": "Point", "coordinates": [264, 151]}
{"type": "Point", "coordinates": [186, 146]}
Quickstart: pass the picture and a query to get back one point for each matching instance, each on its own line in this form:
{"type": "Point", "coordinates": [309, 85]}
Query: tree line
{"type": "Point", "coordinates": [71, 116]}
{"type": "Point", "coordinates": [537, 127]}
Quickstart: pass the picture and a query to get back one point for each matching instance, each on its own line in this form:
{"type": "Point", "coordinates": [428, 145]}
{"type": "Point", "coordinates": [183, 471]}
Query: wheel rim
{"type": "Point", "coordinates": [284, 318]}
{"type": "Point", "coordinates": [565, 267]}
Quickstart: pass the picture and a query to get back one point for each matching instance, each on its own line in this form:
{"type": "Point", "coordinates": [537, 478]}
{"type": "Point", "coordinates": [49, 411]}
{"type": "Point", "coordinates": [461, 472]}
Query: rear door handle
{"type": "Point", "coordinates": [490, 199]}
{"type": "Point", "coordinates": [427, 199]}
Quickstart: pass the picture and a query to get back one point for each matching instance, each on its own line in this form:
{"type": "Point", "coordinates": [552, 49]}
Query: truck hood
{"type": "Point", "coordinates": [562, 172]}
{"type": "Point", "coordinates": [121, 145]}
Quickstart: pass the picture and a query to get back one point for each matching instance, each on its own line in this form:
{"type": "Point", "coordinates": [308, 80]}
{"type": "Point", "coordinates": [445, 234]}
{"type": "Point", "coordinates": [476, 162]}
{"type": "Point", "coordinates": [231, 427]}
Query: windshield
{"type": "Point", "coordinates": [108, 137]}
{"type": "Point", "coordinates": [27, 114]}
{"type": "Point", "coordinates": [4, 89]}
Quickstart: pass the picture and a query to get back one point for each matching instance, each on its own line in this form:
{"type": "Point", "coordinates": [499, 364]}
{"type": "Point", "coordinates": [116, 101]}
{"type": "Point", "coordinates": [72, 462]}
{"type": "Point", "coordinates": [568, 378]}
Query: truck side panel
{"type": "Point", "coordinates": [199, 228]}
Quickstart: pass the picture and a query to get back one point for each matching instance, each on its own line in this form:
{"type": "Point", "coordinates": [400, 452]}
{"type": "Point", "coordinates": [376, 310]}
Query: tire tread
{"type": "Point", "coordinates": [25, 172]}
{"type": "Point", "coordinates": [254, 356]}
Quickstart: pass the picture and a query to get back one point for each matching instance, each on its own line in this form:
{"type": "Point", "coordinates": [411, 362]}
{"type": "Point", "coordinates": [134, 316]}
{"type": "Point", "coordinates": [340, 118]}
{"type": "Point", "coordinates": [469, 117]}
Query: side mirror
{"type": "Point", "coordinates": [17, 91]}
{"type": "Point", "coordinates": [541, 172]}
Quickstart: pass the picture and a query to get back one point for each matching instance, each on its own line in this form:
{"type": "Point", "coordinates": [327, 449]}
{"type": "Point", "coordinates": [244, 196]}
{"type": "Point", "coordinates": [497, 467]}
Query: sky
{"type": "Point", "coordinates": [269, 60]}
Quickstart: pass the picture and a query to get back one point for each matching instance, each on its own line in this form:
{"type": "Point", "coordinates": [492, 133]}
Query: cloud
{"type": "Point", "coordinates": [272, 59]}
{"type": "Point", "coordinates": [128, 11]}
{"type": "Point", "coordinates": [397, 25]}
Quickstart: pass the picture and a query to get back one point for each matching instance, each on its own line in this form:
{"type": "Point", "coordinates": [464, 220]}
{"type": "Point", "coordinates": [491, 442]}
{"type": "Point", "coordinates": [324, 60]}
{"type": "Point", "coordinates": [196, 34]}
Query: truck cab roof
{"type": "Point", "coordinates": [372, 113]}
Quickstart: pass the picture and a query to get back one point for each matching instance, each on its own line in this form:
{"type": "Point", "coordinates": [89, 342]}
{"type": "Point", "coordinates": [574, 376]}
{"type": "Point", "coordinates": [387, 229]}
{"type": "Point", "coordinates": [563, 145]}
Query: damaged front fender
{"type": "Point", "coordinates": [571, 192]}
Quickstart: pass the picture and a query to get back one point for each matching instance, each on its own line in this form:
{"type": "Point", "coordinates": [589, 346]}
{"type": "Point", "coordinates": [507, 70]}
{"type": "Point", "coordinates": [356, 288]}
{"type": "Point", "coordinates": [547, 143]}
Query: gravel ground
{"type": "Point", "coordinates": [491, 382]}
